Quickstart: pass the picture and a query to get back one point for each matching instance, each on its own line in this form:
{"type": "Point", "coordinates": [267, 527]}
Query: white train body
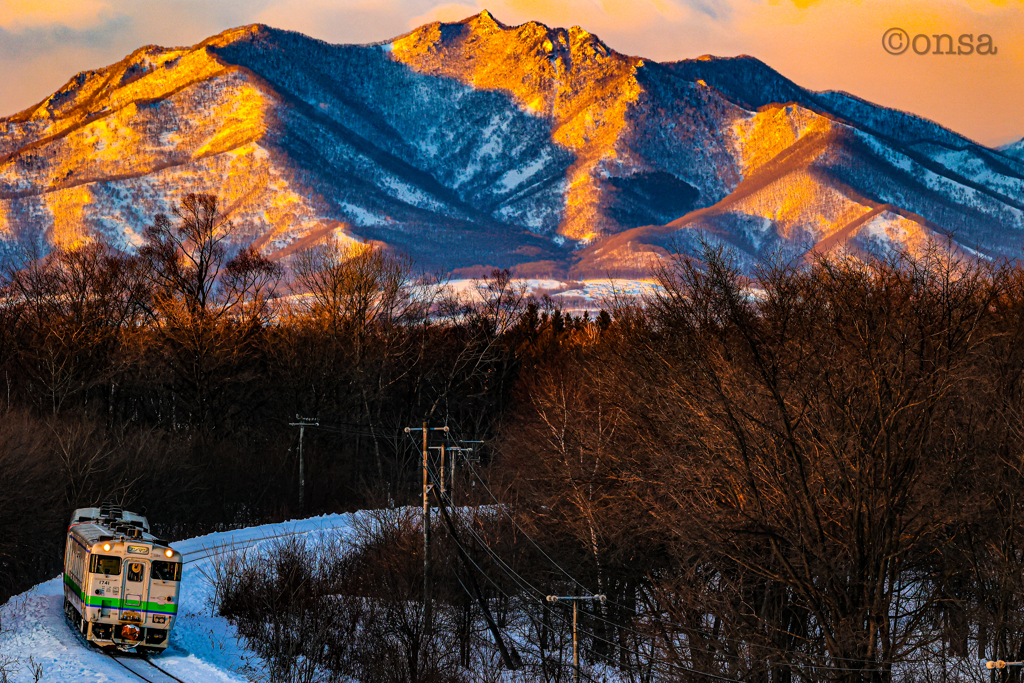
{"type": "Point", "coordinates": [121, 583]}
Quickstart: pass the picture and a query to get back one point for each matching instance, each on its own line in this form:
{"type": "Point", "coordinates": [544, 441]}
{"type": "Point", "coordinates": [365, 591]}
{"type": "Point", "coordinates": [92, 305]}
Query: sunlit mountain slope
{"type": "Point", "coordinates": [479, 144]}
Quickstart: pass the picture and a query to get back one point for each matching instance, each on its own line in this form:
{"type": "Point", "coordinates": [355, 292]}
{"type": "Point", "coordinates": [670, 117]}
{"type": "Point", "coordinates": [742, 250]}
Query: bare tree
{"type": "Point", "coordinates": [77, 307]}
{"type": "Point", "coordinates": [209, 310]}
{"type": "Point", "coordinates": [817, 435]}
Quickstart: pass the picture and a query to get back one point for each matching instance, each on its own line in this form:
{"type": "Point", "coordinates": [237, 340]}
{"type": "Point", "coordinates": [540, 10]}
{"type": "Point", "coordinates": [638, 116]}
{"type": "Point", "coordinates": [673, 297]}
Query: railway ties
{"type": "Point", "coordinates": [144, 670]}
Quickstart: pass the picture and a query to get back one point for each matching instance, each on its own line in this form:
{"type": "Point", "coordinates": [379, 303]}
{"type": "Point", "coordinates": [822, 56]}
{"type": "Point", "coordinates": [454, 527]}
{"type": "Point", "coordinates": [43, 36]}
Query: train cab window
{"type": "Point", "coordinates": [135, 571]}
{"type": "Point", "coordinates": [105, 564]}
{"type": "Point", "coordinates": [167, 571]}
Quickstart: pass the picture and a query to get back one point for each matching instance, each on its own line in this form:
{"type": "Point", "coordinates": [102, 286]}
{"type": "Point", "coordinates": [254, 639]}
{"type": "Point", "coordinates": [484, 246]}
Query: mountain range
{"type": "Point", "coordinates": [474, 144]}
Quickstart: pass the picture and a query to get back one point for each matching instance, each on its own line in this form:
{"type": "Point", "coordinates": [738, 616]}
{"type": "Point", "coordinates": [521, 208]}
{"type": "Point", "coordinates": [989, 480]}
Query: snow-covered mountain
{"type": "Point", "coordinates": [1015, 149]}
{"type": "Point", "coordinates": [479, 144]}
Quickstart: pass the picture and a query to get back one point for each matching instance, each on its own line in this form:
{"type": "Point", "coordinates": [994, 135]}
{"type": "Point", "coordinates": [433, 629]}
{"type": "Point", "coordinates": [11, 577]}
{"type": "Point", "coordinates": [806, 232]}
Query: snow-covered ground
{"type": "Point", "coordinates": [610, 289]}
{"type": "Point", "coordinates": [203, 647]}
{"type": "Point", "coordinates": [594, 291]}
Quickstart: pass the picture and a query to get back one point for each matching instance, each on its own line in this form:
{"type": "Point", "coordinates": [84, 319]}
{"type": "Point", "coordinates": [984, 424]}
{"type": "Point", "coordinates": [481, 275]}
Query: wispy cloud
{"type": "Point", "coordinates": [19, 15]}
{"type": "Point", "coordinates": [823, 44]}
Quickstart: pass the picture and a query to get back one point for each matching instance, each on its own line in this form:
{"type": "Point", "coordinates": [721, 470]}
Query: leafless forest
{"type": "Point", "coordinates": [810, 475]}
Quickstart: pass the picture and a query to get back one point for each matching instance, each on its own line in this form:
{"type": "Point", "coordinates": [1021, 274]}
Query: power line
{"type": "Point", "coordinates": [656, 617]}
{"type": "Point", "coordinates": [660, 619]}
{"type": "Point", "coordinates": [526, 585]}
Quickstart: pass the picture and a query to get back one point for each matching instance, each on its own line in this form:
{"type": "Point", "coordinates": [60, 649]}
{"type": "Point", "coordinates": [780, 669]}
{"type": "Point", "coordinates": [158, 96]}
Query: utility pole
{"type": "Point", "coordinates": [427, 607]}
{"type": "Point", "coordinates": [443, 450]}
{"type": "Point", "coordinates": [575, 651]}
{"type": "Point", "coordinates": [455, 450]}
{"type": "Point", "coordinates": [302, 423]}
{"type": "Point", "coordinates": [449, 455]}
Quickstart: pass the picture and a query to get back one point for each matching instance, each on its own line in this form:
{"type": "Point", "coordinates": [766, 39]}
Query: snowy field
{"type": "Point", "coordinates": [591, 290]}
{"type": "Point", "coordinates": [203, 647]}
{"type": "Point", "coordinates": [572, 296]}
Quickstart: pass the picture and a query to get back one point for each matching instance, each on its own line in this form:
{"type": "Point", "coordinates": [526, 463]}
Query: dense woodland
{"type": "Point", "coordinates": [810, 474]}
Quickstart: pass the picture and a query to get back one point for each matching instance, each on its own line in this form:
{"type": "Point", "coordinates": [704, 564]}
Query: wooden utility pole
{"type": "Point", "coordinates": [448, 454]}
{"type": "Point", "coordinates": [427, 605]}
{"type": "Point", "coordinates": [453, 454]}
{"type": "Point", "coordinates": [575, 649]}
{"type": "Point", "coordinates": [427, 611]}
{"type": "Point", "coordinates": [302, 423]}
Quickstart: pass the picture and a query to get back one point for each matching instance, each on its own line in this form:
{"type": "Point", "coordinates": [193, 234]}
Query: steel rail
{"type": "Point", "coordinates": [163, 676]}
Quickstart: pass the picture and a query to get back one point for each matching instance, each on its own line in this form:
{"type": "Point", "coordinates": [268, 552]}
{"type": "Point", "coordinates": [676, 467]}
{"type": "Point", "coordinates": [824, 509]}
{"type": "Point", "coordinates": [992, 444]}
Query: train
{"type": "Point", "coordinates": [121, 583]}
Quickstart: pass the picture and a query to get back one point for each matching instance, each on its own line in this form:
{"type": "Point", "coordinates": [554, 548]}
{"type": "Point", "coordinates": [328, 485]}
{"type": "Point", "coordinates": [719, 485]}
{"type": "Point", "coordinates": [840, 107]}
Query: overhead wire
{"type": "Point", "coordinates": [501, 506]}
{"type": "Point", "coordinates": [496, 586]}
{"type": "Point", "coordinates": [529, 587]}
{"type": "Point", "coordinates": [526, 585]}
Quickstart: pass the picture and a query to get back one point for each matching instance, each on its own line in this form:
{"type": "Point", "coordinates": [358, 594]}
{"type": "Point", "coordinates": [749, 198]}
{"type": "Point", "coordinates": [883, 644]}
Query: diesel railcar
{"type": "Point", "coordinates": [121, 582]}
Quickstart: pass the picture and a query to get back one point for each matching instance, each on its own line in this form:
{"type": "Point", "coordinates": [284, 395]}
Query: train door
{"type": "Point", "coordinates": [134, 590]}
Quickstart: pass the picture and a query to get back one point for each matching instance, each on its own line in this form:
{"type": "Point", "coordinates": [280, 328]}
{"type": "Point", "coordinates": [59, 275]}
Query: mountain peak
{"type": "Point", "coordinates": [241, 33]}
{"type": "Point", "coordinates": [485, 31]}
{"type": "Point", "coordinates": [483, 20]}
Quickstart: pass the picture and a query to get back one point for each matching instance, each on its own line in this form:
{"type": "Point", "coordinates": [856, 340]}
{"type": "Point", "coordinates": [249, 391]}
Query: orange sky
{"type": "Point", "coordinates": [821, 44]}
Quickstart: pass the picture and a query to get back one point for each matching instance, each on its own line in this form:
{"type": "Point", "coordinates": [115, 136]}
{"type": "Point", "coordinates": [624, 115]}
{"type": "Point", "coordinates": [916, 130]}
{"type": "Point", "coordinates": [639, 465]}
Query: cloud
{"type": "Point", "coordinates": [19, 15]}
{"type": "Point", "coordinates": [821, 44]}
{"type": "Point", "coordinates": [344, 21]}
{"type": "Point", "coordinates": [448, 12]}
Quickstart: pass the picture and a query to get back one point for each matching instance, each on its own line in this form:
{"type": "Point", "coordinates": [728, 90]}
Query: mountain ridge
{"type": "Point", "coordinates": [475, 144]}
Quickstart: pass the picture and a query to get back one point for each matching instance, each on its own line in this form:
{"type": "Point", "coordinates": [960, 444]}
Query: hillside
{"type": "Point", "coordinates": [475, 144]}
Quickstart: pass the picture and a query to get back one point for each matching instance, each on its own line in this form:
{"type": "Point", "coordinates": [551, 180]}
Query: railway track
{"type": "Point", "coordinates": [222, 548]}
{"type": "Point", "coordinates": [143, 669]}
{"type": "Point", "coordinates": [140, 667]}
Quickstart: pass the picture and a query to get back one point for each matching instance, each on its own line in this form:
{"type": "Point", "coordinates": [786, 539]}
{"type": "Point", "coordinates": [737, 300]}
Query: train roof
{"type": "Point", "coordinates": [111, 523]}
{"type": "Point", "coordinates": [92, 533]}
{"type": "Point", "coordinates": [110, 513]}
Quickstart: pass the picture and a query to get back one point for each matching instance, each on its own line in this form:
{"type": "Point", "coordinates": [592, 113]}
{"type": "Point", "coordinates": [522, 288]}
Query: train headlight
{"type": "Point", "coordinates": [168, 552]}
{"type": "Point", "coordinates": [106, 547]}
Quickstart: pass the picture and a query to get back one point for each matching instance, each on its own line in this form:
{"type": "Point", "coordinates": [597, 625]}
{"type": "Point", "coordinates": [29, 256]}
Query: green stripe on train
{"type": "Point", "coordinates": [117, 603]}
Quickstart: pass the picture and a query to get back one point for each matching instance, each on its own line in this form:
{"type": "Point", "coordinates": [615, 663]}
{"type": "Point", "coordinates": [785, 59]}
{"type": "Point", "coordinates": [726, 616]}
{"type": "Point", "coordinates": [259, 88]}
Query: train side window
{"type": "Point", "coordinates": [105, 564]}
{"type": "Point", "coordinates": [166, 571]}
{"type": "Point", "coordinates": [135, 571]}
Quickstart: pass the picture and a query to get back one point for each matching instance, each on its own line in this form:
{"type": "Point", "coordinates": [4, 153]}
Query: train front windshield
{"type": "Point", "coordinates": [105, 564]}
{"type": "Point", "coordinates": [166, 571]}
